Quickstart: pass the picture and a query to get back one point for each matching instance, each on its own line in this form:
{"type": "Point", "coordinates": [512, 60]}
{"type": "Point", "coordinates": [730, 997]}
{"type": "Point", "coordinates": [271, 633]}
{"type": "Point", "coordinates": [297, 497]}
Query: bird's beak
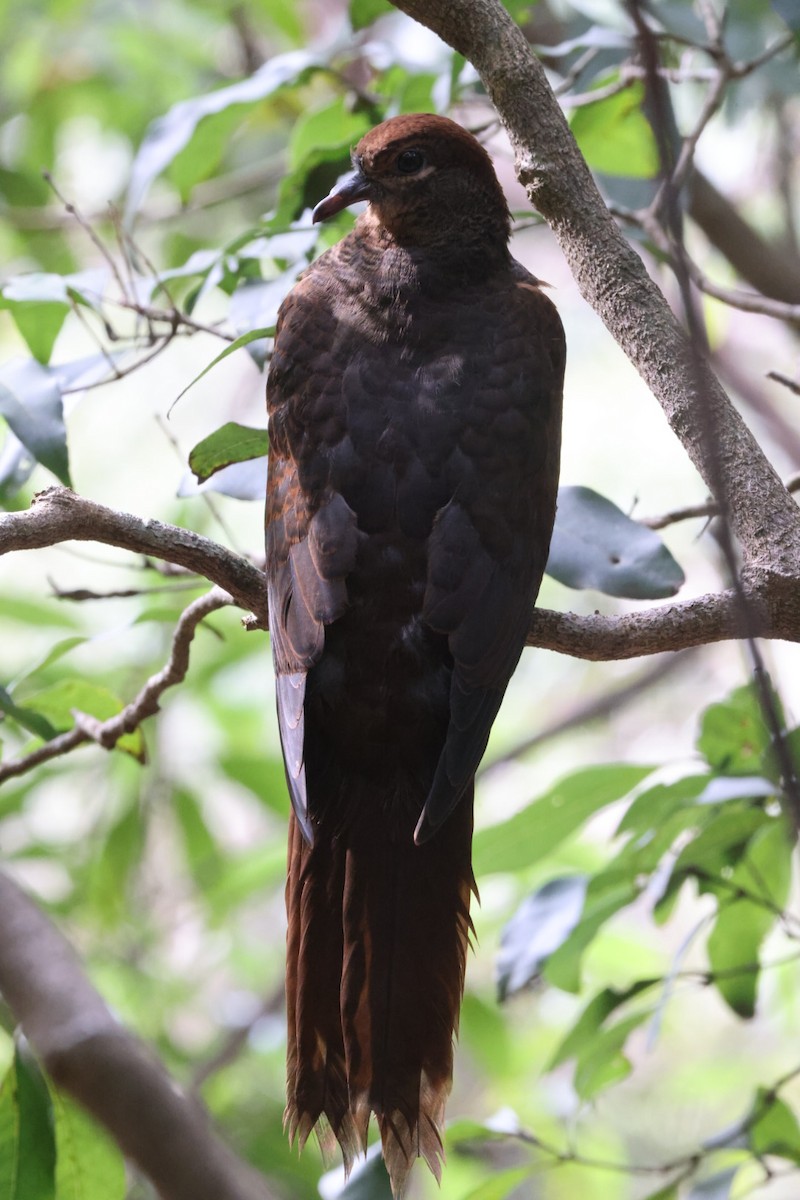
{"type": "Point", "coordinates": [351, 189]}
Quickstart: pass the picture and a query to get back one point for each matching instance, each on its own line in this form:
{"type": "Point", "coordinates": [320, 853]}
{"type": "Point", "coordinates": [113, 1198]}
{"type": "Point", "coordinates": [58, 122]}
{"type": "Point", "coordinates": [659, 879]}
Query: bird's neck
{"type": "Point", "coordinates": [421, 256]}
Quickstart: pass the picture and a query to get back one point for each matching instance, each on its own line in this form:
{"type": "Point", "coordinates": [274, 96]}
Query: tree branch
{"type": "Point", "coordinates": [107, 733]}
{"type": "Point", "coordinates": [612, 277]}
{"type": "Point", "coordinates": [59, 515]}
{"type": "Point", "coordinates": [107, 1070]}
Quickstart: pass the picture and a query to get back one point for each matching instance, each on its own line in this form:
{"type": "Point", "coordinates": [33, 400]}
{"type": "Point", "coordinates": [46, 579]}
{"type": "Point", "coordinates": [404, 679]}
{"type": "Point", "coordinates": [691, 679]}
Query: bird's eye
{"type": "Point", "coordinates": [410, 161]}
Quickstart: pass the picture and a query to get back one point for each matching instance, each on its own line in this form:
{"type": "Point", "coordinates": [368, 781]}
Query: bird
{"type": "Point", "coordinates": [414, 397]}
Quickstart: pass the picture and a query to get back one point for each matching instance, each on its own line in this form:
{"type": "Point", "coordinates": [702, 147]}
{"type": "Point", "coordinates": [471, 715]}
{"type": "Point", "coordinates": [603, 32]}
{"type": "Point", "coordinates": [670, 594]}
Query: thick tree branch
{"type": "Point", "coordinates": [59, 515]}
{"type": "Point", "coordinates": [109, 1071]}
{"type": "Point", "coordinates": [612, 277]}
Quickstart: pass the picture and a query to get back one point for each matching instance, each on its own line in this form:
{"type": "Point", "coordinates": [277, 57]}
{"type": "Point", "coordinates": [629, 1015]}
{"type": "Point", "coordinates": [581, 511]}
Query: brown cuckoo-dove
{"type": "Point", "coordinates": [415, 404]}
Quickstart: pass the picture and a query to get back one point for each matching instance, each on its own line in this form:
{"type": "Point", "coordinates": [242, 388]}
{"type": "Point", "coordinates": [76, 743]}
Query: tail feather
{"type": "Point", "coordinates": [374, 982]}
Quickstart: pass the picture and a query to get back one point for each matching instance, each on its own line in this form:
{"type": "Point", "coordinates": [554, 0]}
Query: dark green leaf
{"type": "Point", "coordinates": [231, 443]}
{"type": "Point", "coordinates": [57, 704]}
{"type": "Point", "coordinates": [776, 1131]}
{"type": "Point", "coordinates": [614, 135]}
{"type": "Point", "coordinates": [596, 546]}
{"type": "Point", "coordinates": [368, 1182]}
{"type": "Point", "coordinates": [33, 721]}
{"type": "Point", "coordinates": [538, 927]}
{"type": "Point", "coordinates": [532, 833]}
{"type": "Point", "coordinates": [30, 401]}
{"type": "Point", "coordinates": [36, 1149]}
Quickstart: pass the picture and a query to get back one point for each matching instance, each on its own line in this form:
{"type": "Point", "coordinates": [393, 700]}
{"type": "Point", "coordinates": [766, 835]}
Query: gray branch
{"type": "Point", "coordinates": [612, 277]}
{"type": "Point", "coordinates": [105, 1068]}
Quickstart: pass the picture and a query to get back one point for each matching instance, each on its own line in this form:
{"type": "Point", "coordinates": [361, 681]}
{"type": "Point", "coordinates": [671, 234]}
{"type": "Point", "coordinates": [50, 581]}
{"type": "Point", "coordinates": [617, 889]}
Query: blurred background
{"type": "Point", "coordinates": [160, 159]}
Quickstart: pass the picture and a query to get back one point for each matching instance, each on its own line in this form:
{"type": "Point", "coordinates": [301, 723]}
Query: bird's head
{"type": "Point", "coordinates": [427, 180]}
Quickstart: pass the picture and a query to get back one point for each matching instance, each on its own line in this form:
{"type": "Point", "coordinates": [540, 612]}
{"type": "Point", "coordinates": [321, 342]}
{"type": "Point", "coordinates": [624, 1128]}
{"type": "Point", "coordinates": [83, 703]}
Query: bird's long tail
{"type": "Point", "coordinates": [377, 942]}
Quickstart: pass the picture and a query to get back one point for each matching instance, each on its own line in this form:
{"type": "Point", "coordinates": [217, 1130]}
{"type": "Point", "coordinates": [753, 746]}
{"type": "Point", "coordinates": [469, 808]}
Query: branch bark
{"type": "Point", "coordinates": [59, 515]}
{"type": "Point", "coordinates": [110, 1072]}
{"type": "Point", "coordinates": [612, 277]}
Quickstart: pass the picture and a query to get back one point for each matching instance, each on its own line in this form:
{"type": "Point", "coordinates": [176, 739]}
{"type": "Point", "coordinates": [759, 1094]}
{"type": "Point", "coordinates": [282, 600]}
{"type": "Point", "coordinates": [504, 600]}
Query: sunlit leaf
{"type": "Point", "coordinates": [532, 833]}
{"type": "Point", "coordinates": [591, 1020]}
{"type": "Point", "coordinates": [614, 135]}
{"type": "Point", "coordinates": [734, 736]}
{"type": "Point", "coordinates": [88, 1165]}
{"type": "Point", "coordinates": [603, 1062]}
{"type": "Point", "coordinates": [596, 546]}
{"type": "Point", "coordinates": [776, 1131]}
{"type": "Point", "coordinates": [320, 131]}
{"type": "Point", "coordinates": [58, 703]}
{"type": "Point", "coordinates": [742, 924]}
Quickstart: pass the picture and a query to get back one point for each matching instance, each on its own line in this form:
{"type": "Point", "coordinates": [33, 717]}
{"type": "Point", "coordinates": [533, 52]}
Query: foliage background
{"type": "Point", "coordinates": [168, 875]}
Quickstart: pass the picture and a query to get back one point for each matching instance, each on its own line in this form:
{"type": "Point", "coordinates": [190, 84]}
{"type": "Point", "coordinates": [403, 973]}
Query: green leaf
{"type": "Point", "coordinates": [652, 807]}
{"type": "Point", "coordinates": [742, 925]}
{"type": "Point", "coordinates": [57, 703]}
{"type": "Point", "coordinates": [364, 12]}
{"type": "Point", "coordinates": [39, 302]}
{"type": "Point", "coordinates": [596, 546]}
{"type": "Point", "coordinates": [9, 1135]}
{"type": "Point", "coordinates": [614, 135]}
{"type": "Point", "coordinates": [33, 721]}
{"type": "Point", "coordinates": [244, 340]}
{"type": "Point", "coordinates": [532, 833]}
{"type": "Point", "coordinates": [168, 135]}
{"type": "Point", "coordinates": [202, 852]}
{"type": "Point", "coordinates": [500, 1185]}
{"type": "Point", "coordinates": [39, 324]}
{"type": "Point", "coordinates": [563, 967]}
{"type": "Point", "coordinates": [733, 736]}
{"type": "Point", "coordinates": [89, 1164]}
{"type": "Point", "coordinates": [604, 1063]}
{"type": "Point", "coordinates": [590, 1022]}
{"type": "Point", "coordinates": [539, 926]}
{"type": "Point", "coordinates": [776, 1131]}
{"type": "Point", "coordinates": [231, 443]}
{"type": "Point", "coordinates": [36, 1149]}
{"type": "Point", "coordinates": [322, 132]}
{"type": "Point", "coordinates": [30, 402]}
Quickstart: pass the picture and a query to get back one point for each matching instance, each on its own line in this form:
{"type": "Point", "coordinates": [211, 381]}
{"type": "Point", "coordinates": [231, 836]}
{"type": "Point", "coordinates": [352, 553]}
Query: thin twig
{"type": "Point", "coordinates": [107, 733]}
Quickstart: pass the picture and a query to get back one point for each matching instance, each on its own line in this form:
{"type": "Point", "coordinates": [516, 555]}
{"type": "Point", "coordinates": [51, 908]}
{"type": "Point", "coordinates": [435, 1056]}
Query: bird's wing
{"type": "Point", "coordinates": [311, 530]}
{"type": "Point", "coordinates": [489, 545]}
